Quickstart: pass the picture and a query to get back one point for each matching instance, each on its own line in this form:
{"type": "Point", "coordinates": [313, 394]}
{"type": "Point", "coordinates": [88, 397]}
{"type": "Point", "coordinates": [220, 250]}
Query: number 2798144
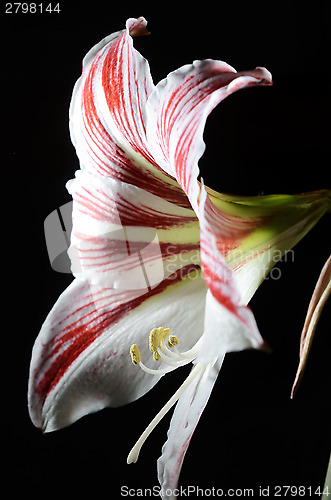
{"type": "Point", "coordinates": [32, 8]}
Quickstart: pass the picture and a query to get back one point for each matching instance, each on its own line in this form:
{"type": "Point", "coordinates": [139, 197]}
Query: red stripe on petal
{"type": "Point", "coordinates": [122, 70]}
{"type": "Point", "coordinates": [98, 143]}
{"type": "Point", "coordinates": [117, 203]}
{"type": "Point", "coordinates": [218, 276]}
{"type": "Point", "coordinates": [73, 336]}
{"type": "Point", "coordinates": [179, 107]}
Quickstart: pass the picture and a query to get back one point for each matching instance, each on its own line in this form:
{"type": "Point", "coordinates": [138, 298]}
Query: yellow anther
{"type": "Point", "coordinates": [135, 354]}
{"type": "Point", "coordinates": [173, 341]}
{"type": "Point", "coordinates": [157, 336]}
{"type": "Point", "coordinates": [156, 356]}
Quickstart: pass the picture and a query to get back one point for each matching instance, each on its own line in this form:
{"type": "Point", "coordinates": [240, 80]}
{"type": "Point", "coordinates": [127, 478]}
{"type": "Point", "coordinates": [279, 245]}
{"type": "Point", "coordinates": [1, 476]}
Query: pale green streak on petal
{"type": "Point", "coordinates": [276, 222]}
{"type": "Point", "coordinates": [182, 234]}
{"type": "Point", "coordinates": [257, 206]}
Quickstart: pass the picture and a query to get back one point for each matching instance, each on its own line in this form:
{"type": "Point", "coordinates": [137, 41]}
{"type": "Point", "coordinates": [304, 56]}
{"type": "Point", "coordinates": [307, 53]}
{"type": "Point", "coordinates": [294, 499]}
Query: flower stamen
{"type": "Point", "coordinates": [157, 336]}
{"type": "Point", "coordinates": [161, 352]}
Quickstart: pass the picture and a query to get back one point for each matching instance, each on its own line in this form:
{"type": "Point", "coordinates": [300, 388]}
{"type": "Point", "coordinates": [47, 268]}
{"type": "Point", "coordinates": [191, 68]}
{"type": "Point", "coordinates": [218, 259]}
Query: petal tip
{"type": "Point", "coordinates": [137, 27]}
{"type": "Point", "coordinates": [264, 75]}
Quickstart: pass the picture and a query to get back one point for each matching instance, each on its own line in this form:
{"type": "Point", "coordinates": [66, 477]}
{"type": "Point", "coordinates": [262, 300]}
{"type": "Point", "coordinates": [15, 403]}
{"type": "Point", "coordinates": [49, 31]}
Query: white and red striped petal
{"type": "Point", "coordinates": [229, 324]}
{"type": "Point", "coordinates": [110, 202]}
{"type": "Point", "coordinates": [254, 232]}
{"type": "Point", "coordinates": [177, 111]}
{"type": "Point", "coordinates": [107, 115]}
{"type": "Point", "coordinates": [123, 234]}
{"type": "Point", "coordinates": [81, 362]}
{"type": "Point", "coordinates": [126, 84]}
{"type": "Point", "coordinates": [110, 97]}
{"type": "Point", "coordinates": [242, 238]}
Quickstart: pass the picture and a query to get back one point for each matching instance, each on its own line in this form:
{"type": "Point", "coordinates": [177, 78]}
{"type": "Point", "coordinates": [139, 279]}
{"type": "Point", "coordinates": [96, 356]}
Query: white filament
{"type": "Point", "coordinates": [173, 359]}
{"type": "Point", "coordinates": [134, 453]}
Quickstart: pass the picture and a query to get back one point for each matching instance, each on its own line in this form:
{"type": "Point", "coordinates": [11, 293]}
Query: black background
{"type": "Point", "coordinates": [261, 140]}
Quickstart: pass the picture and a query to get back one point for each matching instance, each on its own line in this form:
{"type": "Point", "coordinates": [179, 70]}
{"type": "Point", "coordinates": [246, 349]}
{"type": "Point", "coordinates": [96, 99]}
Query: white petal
{"type": "Point", "coordinates": [224, 333]}
{"type": "Point", "coordinates": [81, 361]}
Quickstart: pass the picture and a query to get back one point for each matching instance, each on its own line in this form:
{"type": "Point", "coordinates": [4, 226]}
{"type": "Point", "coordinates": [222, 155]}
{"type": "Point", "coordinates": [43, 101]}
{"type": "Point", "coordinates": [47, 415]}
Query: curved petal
{"type": "Point", "coordinates": [321, 293]}
{"type": "Point", "coordinates": [107, 115]}
{"type": "Point", "coordinates": [115, 85]}
{"type": "Point", "coordinates": [176, 114]}
{"type": "Point", "coordinates": [81, 362]}
{"type": "Point", "coordinates": [183, 423]}
{"type": "Point", "coordinates": [229, 325]}
{"type": "Point", "coordinates": [254, 232]}
{"type": "Point", "coordinates": [119, 203]}
{"type": "Point", "coordinates": [123, 234]}
{"type": "Point", "coordinates": [177, 110]}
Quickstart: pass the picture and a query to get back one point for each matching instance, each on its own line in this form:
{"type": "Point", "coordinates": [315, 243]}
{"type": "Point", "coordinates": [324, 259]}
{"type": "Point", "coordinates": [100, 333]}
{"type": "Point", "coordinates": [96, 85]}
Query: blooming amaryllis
{"type": "Point", "coordinates": [152, 246]}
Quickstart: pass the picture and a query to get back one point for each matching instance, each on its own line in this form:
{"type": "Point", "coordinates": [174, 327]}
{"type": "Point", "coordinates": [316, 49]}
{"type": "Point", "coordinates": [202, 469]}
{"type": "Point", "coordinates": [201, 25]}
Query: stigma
{"type": "Point", "coordinates": [164, 348]}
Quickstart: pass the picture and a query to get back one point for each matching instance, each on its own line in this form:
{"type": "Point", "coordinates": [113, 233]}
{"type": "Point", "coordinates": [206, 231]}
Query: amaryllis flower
{"type": "Point", "coordinates": [164, 266]}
